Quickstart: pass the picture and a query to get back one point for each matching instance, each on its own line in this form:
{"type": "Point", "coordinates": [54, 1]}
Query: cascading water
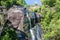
{"type": "Point", "coordinates": [37, 34]}
{"type": "Point", "coordinates": [31, 30]}
{"type": "Point", "coordinates": [32, 34]}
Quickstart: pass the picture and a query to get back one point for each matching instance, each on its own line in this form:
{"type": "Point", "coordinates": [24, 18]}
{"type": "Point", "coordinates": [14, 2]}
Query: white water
{"type": "Point", "coordinates": [36, 36]}
{"type": "Point", "coordinates": [32, 34]}
{"type": "Point", "coordinates": [31, 30]}
{"type": "Point", "coordinates": [38, 32]}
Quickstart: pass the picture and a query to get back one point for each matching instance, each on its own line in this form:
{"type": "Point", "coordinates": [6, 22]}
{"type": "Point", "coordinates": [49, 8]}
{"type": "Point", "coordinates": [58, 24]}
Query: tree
{"type": "Point", "coordinates": [9, 3]}
{"type": "Point", "coordinates": [51, 20]}
{"type": "Point", "coordinates": [49, 2]}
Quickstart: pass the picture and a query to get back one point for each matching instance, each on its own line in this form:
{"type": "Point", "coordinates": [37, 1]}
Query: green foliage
{"type": "Point", "coordinates": [9, 3]}
{"type": "Point", "coordinates": [51, 20]}
{"type": "Point", "coordinates": [57, 5]}
{"type": "Point", "coordinates": [36, 10]}
{"type": "Point", "coordinates": [8, 34]}
{"type": "Point", "coordinates": [1, 20]}
{"type": "Point", "coordinates": [21, 2]}
{"type": "Point", "coordinates": [49, 2]}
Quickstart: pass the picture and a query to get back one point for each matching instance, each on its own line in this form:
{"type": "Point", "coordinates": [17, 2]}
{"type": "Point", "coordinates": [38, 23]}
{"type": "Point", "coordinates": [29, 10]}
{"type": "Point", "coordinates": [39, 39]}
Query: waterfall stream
{"type": "Point", "coordinates": [34, 36]}
{"type": "Point", "coordinates": [31, 30]}
{"type": "Point", "coordinates": [38, 32]}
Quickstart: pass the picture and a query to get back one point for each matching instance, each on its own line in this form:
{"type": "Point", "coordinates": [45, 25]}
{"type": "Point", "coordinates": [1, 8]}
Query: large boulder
{"type": "Point", "coordinates": [16, 16]}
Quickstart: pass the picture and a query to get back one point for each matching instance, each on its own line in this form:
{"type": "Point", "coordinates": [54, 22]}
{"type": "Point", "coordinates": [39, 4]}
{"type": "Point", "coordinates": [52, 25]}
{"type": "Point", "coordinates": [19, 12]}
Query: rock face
{"type": "Point", "coordinates": [16, 16]}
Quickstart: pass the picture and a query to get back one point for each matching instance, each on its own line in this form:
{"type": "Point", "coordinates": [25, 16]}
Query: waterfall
{"type": "Point", "coordinates": [31, 30]}
{"type": "Point", "coordinates": [38, 32]}
{"type": "Point", "coordinates": [32, 34]}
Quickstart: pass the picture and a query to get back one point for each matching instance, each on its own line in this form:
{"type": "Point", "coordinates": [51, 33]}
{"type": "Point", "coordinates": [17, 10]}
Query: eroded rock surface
{"type": "Point", "coordinates": [15, 16]}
